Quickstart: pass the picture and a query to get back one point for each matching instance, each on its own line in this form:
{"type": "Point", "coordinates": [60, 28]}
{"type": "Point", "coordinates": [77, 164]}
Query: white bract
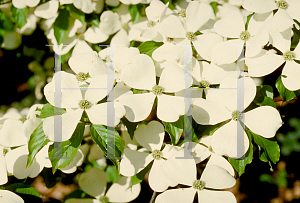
{"type": "Point", "coordinates": [232, 25]}
{"type": "Point", "coordinates": [286, 11]}
{"type": "Point", "coordinates": [221, 105]}
{"type": "Point", "coordinates": [23, 3]}
{"type": "Point", "coordinates": [151, 137]}
{"type": "Point", "coordinates": [184, 171]}
{"type": "Point", "coordinates": [140, 74]}
{"type": "Point", "coordinates": [266, 62]}
{"type": "Point", "coordinates": [7, 196]}
{"type": "Point", "coordinates": [197, 14]}
{"type": "Point", "coordinates": [77, 101]}
{"type": "Point", "coordinates": [94, 183]}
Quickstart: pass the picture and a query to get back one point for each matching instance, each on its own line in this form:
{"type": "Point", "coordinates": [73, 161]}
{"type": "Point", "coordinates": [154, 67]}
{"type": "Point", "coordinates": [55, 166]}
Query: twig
{"type": "Point", "coordinates": [153, 197]}
{"type": "Point", "coordinates": [6, 2]}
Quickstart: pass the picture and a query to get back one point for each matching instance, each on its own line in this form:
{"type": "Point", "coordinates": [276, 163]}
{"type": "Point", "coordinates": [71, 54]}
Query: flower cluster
{"type": "Point", "coordinates": [174, 94]}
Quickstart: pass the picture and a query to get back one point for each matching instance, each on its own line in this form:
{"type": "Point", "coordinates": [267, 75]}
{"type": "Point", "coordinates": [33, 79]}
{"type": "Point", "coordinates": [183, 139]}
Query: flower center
{"type": "Point", "coordinates": [282, 4]}
{"type": "Point", "coordinates": [81, 77]}
{"type": "Point", "coordinates": [245, 35]}
{"type": "Point", "coordinates": [157, 154]}
{"type": "Point", "coordinates": [107, 59]}
{"type": "Point", "coordinates": [236, 115]}
{"type": "Point", "coordinates": [81, 36]}
{"type": "Point", "coordinates": [23, 119]}
{"type": "Point", "coordinates": [182, 13]}
{"type": "Point", "coordinates": [190, 36]}
{"type": "Point", "coordinates": [204, 83]}
{"type": "Point", "coordinates": [84, 104]}
{"type": "Point", "coordinates": [103, 199]}
{"type": "Point", "coordinates": [289, 56]}
{"type": "Point", "coordinates": [169, 39]}
{"type": "Point", "coordinates": [157, 90]}
{"type": "Point", "coordinates": [5, 151]}
{"type": "Point", "coordinates": [210, 149]}
{"type": "Point", "coordinates": [198, 185]}
{"type": "Point", "coordinates": [125, 26]}
{"type": "Point", "coordinates": [151, 24]}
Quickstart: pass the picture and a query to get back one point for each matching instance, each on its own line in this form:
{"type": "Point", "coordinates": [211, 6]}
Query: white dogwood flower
{"type": "Point", "coordinates": [77, 101]}
{"type": "Point", "coordinates": [232, 25]}
{"type": "Point", "coordinates": [94, 183]}
{"type": "Point", "coordinates": [184, 171]}
{"type": "Point", "coordinates": [221, 105]}
{"type": "Point", "coordinates": [266, 62]}
{"type": "Point", "coordinates": [140, 74]}
{"type": "Point", "coordinates": [151, 137]}
{"type": "Point", "coordinates": [283, 18]}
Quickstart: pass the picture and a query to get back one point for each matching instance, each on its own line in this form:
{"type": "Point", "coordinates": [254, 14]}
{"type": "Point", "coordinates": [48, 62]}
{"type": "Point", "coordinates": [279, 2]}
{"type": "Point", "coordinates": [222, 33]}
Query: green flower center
{"type": "Point", "coordinates": [190, 36]}
{"type": "Point", "coordinates": [157, 90]}
{"type": "Point", "coordinates": [23, 119]}
{"type": "Point", "coordinates": [282, 4]}
{"type": "Point", "coordinates": [157, 154]}
{"type": "Point", "coordinates": [169, 39]}
{"type": "Point", "coordinates": [198, 185]}
{"type": "Point", "coordinates": [204, 83]}
{"type": "Point", "coordinates": [151, 24]}
{"type": "Point", "coordinates": [125, 26]}
{"type": "Point", "coordinates": [289, 56]}
{"type": "Point", "coordinates": [107, 59]}
{"type": "Point", "coordinates": [210, 149]}
{"type": "Point", "coordinates": [182, 13]}
{"type": "Point", "coordinates": [84, 104]}
{"type": "Point", "coordinates": [81, 77]}
{"type": "Point", "coordinates": [5, 151]}
{"type": "Point", "coordinates": [236, 115]}
{"type": "Point", "coordinates": [245, 35]}
{"type": "Point", "coordinates": [80, 36]}
{"type": "Point", "coordinates": [103, 199]}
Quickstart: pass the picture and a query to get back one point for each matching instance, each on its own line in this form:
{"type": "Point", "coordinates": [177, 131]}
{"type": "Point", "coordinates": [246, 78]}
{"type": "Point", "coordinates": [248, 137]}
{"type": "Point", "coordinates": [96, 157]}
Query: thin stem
{"type": "Point", "coordinates": [5, 2]}
{"type": "Point", "coordinates": [153, 197]}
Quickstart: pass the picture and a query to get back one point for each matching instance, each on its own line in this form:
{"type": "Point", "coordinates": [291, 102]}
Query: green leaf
{"type": "Point", "coordinates": [214, 6]}
{"type": "Point", "coordinates": [21, 188]}
{"type": "Point", "coordinates": [132, 42]}
{"type": "Point", "coordinates": [2, 33]}
{"type": "Point", "coordinates": [264, 96]}
{"type": "Point", "coordinates": [19, 15]}
{"type": "Point", "coordinates": [285, 94]}
{"type": "Point", "coordinates": [104, 137]}
{"type": "Point", "coordinates": [61, 154]}
{"type": "Point", "coordinates": [248, 19]}
{"type": "Point", "coordinates": [50, 178]}
{"type": "Point", "coordinates": [6, 23]}
{"type": "Point", "coordinates": [131, 127]}
{"type": "Point", "coordinates": [36, 142]}
{"type": "Point", "coordinates": [61, 26]}
{"type": "Point", "coordinates": [148, 47]}
{"type": "Point", "coordinates": [269, 149]}
{"type": "Point", "coordinates": [138, 178]}
{"type": "Point", "coordinates": [93, 19]}
{"type": "Point", "coordinates": [171, 5]}
{"type": "Point", "coordinates": [295, 38]}
{"type": "Point", "coordinates": [79, 194]}
{"type": "Point", "coordinates": [175, 129]}
{"type": "Point", "coordinates": [76, 13]}
{"type": "Point", "coordinates": [112, 174]}
{"type": "Point", "coordinates": [49, 110]}
{"type": "Point", "coordinates": [240, 164]}
{"type": "Point", "coordinates": [135, 12]}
